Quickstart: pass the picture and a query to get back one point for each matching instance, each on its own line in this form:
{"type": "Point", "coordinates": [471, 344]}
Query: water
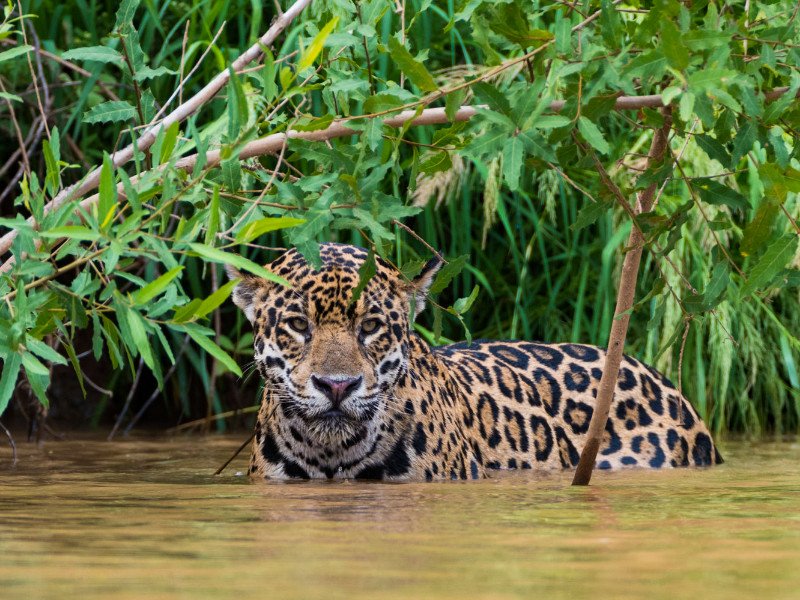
{"type": "Point", "coordinates": [145, 518]}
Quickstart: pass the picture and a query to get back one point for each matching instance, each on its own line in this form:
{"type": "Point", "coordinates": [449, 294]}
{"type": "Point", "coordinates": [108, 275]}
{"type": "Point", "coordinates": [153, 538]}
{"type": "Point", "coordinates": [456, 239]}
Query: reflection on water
{"type": "Point", "coordinates": [146, 518]}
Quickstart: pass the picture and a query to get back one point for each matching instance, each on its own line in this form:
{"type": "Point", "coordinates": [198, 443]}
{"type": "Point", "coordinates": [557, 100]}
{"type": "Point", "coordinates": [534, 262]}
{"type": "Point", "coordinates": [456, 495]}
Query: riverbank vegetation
{"type": "Point", "coordinates": [533, 122]}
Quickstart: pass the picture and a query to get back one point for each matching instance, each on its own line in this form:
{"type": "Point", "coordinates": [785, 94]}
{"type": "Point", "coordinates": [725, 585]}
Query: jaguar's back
{"type": "Point", "coordinates": [531, 405]}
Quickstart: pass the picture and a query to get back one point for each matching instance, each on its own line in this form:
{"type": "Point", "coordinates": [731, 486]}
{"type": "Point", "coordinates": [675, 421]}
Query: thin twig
{"type": "Point", "coordinates": [687, 321]}
{"type": "Point", "coordinates": [42, 112]}
{"type": "Point", "coordinates": [12, 444]}
{"type": "Point", "coordinates": [183, 61]}
{"type": "Point", "coordinates": [72, 66]}
{"type": "Point", "coordinates": [423, 242]}
{"type": "Point", "coordinates": [217, 417]}
{"type": "Point", "coordinates": [128, 400]}
{"type": "Point", "coordinates": [26, 162]}
{"type": "Point", "coordinates": [157, 391]}
{"type": "Point", "coordinates": [235, 454]}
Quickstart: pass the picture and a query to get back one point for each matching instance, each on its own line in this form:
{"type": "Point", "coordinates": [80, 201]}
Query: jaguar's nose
{"type": "Point", "coordinates": [336, 389]}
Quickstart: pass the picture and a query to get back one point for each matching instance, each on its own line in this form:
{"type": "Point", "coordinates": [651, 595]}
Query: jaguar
{"type": "Point", "coordinates": [351, 391]}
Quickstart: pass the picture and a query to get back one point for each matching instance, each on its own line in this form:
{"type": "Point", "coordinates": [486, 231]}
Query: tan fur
{"type": "Point", "coordinates": [422, 413]}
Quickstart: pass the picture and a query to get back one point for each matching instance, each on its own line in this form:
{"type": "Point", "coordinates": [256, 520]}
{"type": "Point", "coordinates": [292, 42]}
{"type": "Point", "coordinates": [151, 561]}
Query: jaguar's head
{"type": "Point", "coordinates": [331, 364]}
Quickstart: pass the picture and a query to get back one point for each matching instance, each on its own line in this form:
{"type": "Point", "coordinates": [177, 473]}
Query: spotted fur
{"type": "Point", "coordinates": [429, 413]}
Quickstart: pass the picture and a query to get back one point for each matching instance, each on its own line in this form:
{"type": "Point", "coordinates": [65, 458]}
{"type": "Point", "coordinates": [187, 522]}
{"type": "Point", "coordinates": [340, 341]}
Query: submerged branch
{"type": "Point", "coordinates": [11, 443]}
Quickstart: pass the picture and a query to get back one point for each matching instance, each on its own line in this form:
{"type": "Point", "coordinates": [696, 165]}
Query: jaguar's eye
{"type": "Point", "coordinates": [370, 325]}
{"type": "Point", "coordinates": [299, 324]}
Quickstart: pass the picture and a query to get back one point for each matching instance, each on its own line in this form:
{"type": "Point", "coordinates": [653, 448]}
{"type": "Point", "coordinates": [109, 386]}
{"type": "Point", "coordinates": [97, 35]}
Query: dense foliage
{"type": "Point", "coordinates": [526, 199]}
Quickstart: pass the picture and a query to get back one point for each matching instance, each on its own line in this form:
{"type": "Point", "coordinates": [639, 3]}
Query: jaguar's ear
{"type": "Point", "coordinates": [422, 283]}
{"type": "Point", "coordinates": [245, 293]}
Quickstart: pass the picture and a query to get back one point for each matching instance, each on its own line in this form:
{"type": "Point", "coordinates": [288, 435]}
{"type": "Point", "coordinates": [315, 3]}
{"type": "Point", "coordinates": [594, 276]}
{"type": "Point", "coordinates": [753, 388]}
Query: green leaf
{"type": "Point", "coordinates": [53, 177]}
{"type": "Point", "coordinates": [718, 194]}
{"type": "Point", "coordinates": [113, 111]}
{"type": "Point", "coordinates": [447, 273]}
{"type": "Point", "coordinates": [491, 143]}
{"type": "Point", "coordinates": [125, 13]}
{"type": "Point", "coordinates": [717, 285]}
{"type": "Point", "coordinates": [412, 268]}
{"type": "Point", "coordinates": [240, 262]}
{"type": "Point", "coordinates": [713, 148]}
{"type": "Point", "coordinates": [512, 23]}
{"type": "Point", "coordinates": [587, 215]}
{"type": "Point", "coordinates": [8, 381]}
{"type": "Point", "coordinates": [648, 64]}
{"type": "Point", "coordinates": [711, 79]}
{"type": "Point", "coordinates": [436, 161]}
{"type": "Point", "coordinates": [775, 188]}
{"type": "Point", "coordinates": [213, 217]}
{"type": "Point", "coordinates": [12, 97]}
{"type": "Point", "coordinates": [270, 89]}
{"type": "Point", "coordinates": [743, 142]}
{"type": "Point", "coordinates": [711, 296]}
{"type": "Point", "coordinates": [365, 272]}
{"type": "Point", "coordinates": [107, 199]}
{"type": "Point", "coordinates": [412, 68]}
{"type": "Point", "coordinates": [286, 77]}
{"type": "Point", "coordinates": [44, 351]}
{"type": "Point", "coordinates": [382, 102]}
{"type": "Point", "coordinates": [494, 98]}
{"type": "Point", "coordinates": [72, 232]}
{"type": "Point", "coordinates": [145, 73]}
{"type": "Point", "coordinates": [462, 305]}
{"type": "Point", "coordinates": [237, 107]}
{"type": "Point", "coordinates": [791, 180]}
{"type": "Point", "coordinates": [140, 340]}
{"type": "Point", "coordinates": [535, 144]}
{"type": "Point", "coordinates": [314, 123]}
{"type": "Point", "coordinates": [258, 228]}
{"type": "Point", "coordinates": [551, 122]}
{"type": "Point", "coordinates": [672, 46]}
{"type": "Point", "coordinates": [686, 106]}
{"type": "Point", "coordinates": [706, 39]}
{"type": "Point", "coordinates": [312, 52]}
{"type": "Point", "coordinates": [778, 253]}
{"type": "Point", "coordinates": [513, 159]}
{"type": "Point", "coordinates": [155, 287]}
{"type": "Point", "coordinates": [592, 134]}
{"type": "Point", "coordinates": [101, 54]}
{"type": "Point", "coordinates": [33, 366]}
{"type": "Point", "coordinates": [187, 311]}
{"type": "Point", "coordinates": [758, 231]}
{"type": "Point", "coordinates": [215, 299]}
{"type": "Point", "coordinates": [453, 102]}
{"type": "Point", "coordinates": [6, 55]}
{"type": "Point", "coordinates": [437, 324]}
{"type": "Point", "coordinates": [232, 173]}
{"type": "Point", "coordinates": [169, 142]}
{"type": "Point", "coordinates": [207, 344]}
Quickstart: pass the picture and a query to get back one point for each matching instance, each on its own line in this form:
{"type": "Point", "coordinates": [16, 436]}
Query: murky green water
{"type": "Point", "coordinates": [146, 519]}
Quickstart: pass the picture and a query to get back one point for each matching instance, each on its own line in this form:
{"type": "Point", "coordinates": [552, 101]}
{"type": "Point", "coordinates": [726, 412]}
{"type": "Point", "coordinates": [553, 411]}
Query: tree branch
{"type": "Point", "coordinates": [273, 143]}
{"type": "Point", "coordinates": [619, 327]}
{"type": "Point", "coordinates": [185, 110]}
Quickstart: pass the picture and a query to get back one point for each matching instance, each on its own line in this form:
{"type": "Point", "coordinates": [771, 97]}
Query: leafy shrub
{"type": "Point", "coordinates": [524, 198]}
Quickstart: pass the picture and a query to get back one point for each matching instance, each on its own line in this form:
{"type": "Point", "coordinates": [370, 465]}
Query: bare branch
{"type": "Point", "coordinates": [619, 327]}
